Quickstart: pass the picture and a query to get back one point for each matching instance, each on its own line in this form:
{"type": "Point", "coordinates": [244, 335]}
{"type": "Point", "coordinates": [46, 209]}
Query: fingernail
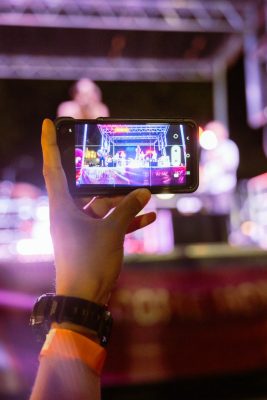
{"type": "Point", "coordinates": [143, 195]}
{"type": "Point", "coordinates": [45, 123]}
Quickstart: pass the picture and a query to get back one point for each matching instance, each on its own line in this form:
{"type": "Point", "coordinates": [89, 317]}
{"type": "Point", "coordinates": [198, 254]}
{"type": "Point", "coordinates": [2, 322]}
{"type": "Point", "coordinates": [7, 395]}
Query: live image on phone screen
{"type": "Point", "coordinates": [150, 154]}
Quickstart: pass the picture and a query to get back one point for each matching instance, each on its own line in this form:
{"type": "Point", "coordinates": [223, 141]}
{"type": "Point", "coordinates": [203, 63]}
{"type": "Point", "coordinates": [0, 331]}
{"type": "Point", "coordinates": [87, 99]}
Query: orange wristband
{"type": "Point", "coordinates": [67, 344]}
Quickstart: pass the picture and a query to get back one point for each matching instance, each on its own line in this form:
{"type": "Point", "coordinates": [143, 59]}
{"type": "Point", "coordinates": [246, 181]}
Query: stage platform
{"type": "Point", "coordinates": [197, 313]}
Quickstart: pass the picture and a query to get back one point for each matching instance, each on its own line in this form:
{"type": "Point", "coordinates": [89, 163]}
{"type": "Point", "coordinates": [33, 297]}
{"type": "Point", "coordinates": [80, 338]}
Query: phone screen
{"type": "Point", "coordinates": [126, 154]}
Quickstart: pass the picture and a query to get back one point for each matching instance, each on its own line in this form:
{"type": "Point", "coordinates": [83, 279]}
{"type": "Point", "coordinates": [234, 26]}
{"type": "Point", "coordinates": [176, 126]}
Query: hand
{"type": "Point", "coordinates": [87, 236]}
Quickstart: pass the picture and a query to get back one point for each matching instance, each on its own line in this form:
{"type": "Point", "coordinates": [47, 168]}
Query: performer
{"type": "Point", "coordinates": [154, 158]}
{"type": "Point", "coordinates": [218, 168]}
{"type": "Point", "coordinates": [102, 153]}
{"type": "Point", "coordinates": [137, 152]}
{"type": "Point", "coordinates": [122, 158]}
{"type": "Point", "coordinates": [142, 158]}
{"type": "Point", "coordinates": [86, 101]}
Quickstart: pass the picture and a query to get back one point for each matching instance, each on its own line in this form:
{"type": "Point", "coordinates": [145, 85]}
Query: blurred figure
{"type": "Point", "coordinates": [86, 92]}
{"type": "Point", "coordinates": [86, 102]}
{"type": "Point", "coordinates": [69, 109]}
{"type": "Point", "coordinates": [219, 161]}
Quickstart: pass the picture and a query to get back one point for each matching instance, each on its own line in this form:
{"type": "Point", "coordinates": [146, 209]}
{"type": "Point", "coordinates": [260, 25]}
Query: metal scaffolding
{"type": "Point", "coordinates": [137, 40]}
{"type": "Point", "coordinates": [226, 18]}
{"type": "Point", "coordinates": [173, 15]}
{"type": "Point", "coordinates": [101, 68]}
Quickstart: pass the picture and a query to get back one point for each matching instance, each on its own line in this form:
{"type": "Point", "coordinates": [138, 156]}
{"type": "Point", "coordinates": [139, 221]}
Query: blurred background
{"type": "Point", "coordinates": [190, 308]}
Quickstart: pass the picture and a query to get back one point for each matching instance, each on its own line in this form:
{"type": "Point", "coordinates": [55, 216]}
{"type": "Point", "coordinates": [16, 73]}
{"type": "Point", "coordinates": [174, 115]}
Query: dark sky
{"type": "Point", "coordinates": [24, 103]}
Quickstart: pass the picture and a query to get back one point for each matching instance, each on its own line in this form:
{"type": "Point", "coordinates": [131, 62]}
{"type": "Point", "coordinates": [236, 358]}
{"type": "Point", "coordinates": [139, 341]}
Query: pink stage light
{"type": "Point", "coordinates": [17, 300]}
{"type": "Point", "coordinates": [121, 129]}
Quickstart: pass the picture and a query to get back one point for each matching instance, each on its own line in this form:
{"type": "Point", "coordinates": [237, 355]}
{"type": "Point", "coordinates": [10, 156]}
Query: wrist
{"type": "Point", "coordinates": [89, 333]}
{"type": "Point", "coordinates": [92, 292]}
{"type": "Point", "coordinates": [67, 345]}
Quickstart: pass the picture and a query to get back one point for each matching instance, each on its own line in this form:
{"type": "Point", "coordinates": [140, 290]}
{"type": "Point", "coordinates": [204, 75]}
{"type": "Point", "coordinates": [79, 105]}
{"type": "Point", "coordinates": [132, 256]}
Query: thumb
{"type": "Point", "coordinates": [129, 207]}
{"type": "Point", "coordinates": [54, 175]}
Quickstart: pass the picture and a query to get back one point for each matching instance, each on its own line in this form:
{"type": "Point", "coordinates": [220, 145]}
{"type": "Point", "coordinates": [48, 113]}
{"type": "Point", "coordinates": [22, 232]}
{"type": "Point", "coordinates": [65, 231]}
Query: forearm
{"type": "Point", "coordinates": [65, 380]}
{"type": "Point", "coordinates": [66, 369]}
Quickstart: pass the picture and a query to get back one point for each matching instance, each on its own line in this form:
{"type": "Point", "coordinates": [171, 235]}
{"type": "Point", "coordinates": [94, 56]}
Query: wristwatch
{"type": "Point", "coordinates": [53, 308]}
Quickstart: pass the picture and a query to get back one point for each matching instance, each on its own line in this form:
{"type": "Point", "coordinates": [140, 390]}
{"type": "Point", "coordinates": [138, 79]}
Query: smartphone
{"type": "Point", "coordinates": [108, 156]}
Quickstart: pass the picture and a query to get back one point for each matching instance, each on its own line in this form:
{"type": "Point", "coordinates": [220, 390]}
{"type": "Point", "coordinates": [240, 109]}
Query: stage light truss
{"type": "Point", "coordinates": [224, 17]}
{"type": "Point", "coordinates": [145, 131]}
{"type": "Point", "coordinates": [152, 133]}
{"type": "Point", "coordinates": [165, 15]}
{"type": "Point", "coordinates": [29, 66]}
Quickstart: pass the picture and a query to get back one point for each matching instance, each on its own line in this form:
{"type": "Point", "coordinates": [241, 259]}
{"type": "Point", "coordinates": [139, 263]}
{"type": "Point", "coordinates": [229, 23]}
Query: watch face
{"type": "Point", "coordinates": [52, 308]}
{"type": "Point", "coordinates": [39, 320]}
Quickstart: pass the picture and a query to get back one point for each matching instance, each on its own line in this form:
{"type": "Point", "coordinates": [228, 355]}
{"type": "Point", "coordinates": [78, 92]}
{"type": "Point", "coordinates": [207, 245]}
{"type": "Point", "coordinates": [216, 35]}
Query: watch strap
{"type": "Point", "coordinates": [51, 308]}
